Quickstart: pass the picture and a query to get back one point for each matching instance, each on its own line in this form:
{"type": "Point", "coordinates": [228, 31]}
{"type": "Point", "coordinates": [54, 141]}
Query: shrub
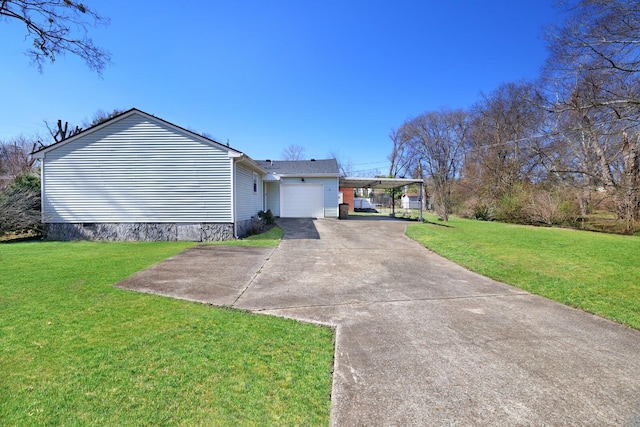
{"type": "Point", "coordinates": [552, 207]}
{"type": "Point", "coordinates": [483, 212]}
{"type": "Point", "coordinates": [511, 207]}
{"type": "Point", "coordinates": [20, 205]}
{"type": "Point", "coordinates": [267, 217]}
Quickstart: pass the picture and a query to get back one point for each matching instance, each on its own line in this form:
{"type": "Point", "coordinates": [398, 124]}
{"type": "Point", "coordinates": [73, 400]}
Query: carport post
{"type": "Point", "coordinates": [393, 202]}
{"type": "Point", "coordinates": [420, 199]}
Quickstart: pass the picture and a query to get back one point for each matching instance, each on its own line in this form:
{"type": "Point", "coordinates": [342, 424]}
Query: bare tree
{"type": "Point", "coordinates": [594, 76]}
{"type": "Point", "coordinates": [629, 200]}
{"type": "Point", "coordinates": [293, 152]}
{"type": "Point", "coordinates": [344, 166]}
{"type": "Point", "coordinates": [441, 138]}
{"type": "Point", "coordinates": [56, 27]}
{"type": "Point", "coordinates": [402, 156]}
{"type": "Point", "coordinates": [504, 141]}
{"type": "Point", "coordinates": [15, 156]}
{"type": "Point", "coordinates": [597, 35]}
{"type": "Point", "coordinates": [62, 132]}
{"type": "Point", "coordinates": [432, 144]}
{"type": "Point", "coordinates": [529, 145]}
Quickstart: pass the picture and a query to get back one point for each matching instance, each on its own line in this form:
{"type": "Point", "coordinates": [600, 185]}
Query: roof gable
{"type": "Point", "coordinates": [134, 111]}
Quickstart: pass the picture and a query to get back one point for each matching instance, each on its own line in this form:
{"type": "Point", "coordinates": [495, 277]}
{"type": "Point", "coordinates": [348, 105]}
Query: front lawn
{"type": "Point", "coordinates": [596, 272]}
{"type": "Point", "coordinates": [77, 351]}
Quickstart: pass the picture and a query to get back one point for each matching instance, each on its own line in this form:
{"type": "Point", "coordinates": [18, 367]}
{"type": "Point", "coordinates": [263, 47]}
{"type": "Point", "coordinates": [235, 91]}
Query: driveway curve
{"type": "Point", "coordinates": [422, 341]}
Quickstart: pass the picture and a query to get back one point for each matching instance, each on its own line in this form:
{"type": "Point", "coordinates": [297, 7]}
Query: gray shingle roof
{"type": "Point", "coordinates": [301, 167]}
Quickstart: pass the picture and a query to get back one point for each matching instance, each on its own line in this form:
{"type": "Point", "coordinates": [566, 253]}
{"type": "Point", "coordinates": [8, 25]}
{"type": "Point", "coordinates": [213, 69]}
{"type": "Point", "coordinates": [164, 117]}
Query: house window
{"type": "Point", "coordinates": [255, 182]}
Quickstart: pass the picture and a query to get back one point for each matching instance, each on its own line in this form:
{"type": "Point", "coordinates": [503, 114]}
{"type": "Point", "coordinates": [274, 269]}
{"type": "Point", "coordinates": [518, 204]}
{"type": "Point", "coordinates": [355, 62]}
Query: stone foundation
{"type": "Point", "coordinates": [150, 232]}
{"type": "Point", "coordinates": [250, 226]}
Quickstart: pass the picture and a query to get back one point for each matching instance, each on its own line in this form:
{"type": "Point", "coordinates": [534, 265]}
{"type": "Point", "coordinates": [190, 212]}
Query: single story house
{"type": "Point", "coordinates": [138, 177]}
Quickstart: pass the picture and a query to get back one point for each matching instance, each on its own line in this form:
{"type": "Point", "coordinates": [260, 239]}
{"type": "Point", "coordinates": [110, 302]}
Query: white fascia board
{"type": "Point", "coordinates": [271, 177]}
{"type": "Point", "coordinates": [307, 175]}
{"type": "Point", "coordinates": [243, 158]}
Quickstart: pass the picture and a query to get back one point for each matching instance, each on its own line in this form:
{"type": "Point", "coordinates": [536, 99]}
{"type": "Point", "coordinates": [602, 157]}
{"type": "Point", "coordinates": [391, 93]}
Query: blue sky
{"type": "Point", "coordinates": [333, 76]}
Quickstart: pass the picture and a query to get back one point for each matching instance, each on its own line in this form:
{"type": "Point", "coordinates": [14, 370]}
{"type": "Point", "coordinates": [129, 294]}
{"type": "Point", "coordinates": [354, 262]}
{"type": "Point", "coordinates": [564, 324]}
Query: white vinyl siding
{"type": "Point", "coordinates": [273, 197]}
{"type": "Point", "coordinates": [248, 203]}
{"type": "Point", "coordinates": [331, 196]}
{"type": "Point", "coordinates": [137, 170]}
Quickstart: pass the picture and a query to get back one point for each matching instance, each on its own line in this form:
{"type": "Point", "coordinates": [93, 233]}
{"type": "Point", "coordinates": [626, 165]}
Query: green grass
{"type": "Point", "coordinates": [270, 237]}
{"type": "Point", "coordinates": [74, 350]}
{"type": "Point", "coordinates": [596, 272]}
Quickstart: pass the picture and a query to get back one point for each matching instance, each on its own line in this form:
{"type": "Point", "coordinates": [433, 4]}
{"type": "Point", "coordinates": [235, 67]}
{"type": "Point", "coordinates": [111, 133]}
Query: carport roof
{"type": "Point", "coordinates": [358, 182]}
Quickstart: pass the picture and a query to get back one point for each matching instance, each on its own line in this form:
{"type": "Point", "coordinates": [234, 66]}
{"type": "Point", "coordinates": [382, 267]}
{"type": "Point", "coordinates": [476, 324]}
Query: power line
{"type": "Point", "coordinates": [371, 163]}
{"type": "Point", "coordinates": [366, 170]}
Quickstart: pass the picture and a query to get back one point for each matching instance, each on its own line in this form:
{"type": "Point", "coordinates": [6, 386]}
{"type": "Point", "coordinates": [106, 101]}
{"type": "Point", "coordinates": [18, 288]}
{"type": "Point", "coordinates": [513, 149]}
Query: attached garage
{"type": "Point", "coordinates": [302, 201]}
{"type": "Point", "coordinates": [301, 188]}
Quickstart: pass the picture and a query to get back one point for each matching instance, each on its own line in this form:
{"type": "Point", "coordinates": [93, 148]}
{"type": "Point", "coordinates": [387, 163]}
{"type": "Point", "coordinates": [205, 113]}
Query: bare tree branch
{"type": "Point", "coordinates": [57, 27]}
{"type": "Point", "coordinates": [15, 156]}
{"type": "Point", "coordinates": [293, 152]}
{"type": "Point", "coordinates": [62, 132]}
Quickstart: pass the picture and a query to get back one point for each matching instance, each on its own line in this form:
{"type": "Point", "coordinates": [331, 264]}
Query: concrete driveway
{"type": "Point", "coordinates": [420, 340]}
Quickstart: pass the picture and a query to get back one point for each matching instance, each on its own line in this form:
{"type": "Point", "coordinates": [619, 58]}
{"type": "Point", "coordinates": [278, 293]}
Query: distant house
{"type": "Point", "coordinates": [303, 188]}
{"type": "Point", "coordinates": [411, 201]}
{"type": "Point", "coordinates": [138, 177]}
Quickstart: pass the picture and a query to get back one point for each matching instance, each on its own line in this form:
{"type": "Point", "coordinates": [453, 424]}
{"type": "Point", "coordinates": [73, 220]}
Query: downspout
{"type": "Point", "coordinates": [233, 198]}
{"type": "Point", "coordinates": [42, 192]}
{"type": "Point", "coordinates": [264, 196]}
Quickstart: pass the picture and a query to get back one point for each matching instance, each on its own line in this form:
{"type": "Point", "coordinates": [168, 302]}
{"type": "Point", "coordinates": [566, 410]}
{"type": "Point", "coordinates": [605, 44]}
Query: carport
{"type": "Point", "coordinates": [383, 183]}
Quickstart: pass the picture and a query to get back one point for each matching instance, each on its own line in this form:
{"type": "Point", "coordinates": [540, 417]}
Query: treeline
{"type": "Point", "coordinates": [550, 151]}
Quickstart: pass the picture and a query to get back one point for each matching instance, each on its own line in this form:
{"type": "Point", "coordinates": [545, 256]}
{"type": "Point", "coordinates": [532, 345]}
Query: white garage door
{"type": "Point", "coordinates": [302, 201]}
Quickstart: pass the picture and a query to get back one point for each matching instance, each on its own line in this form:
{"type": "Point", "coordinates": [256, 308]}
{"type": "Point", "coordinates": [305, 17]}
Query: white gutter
{"type": "Point", "coordinates": [233, 197]}
{"type": "Point", "coordinates": [243, 158]}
